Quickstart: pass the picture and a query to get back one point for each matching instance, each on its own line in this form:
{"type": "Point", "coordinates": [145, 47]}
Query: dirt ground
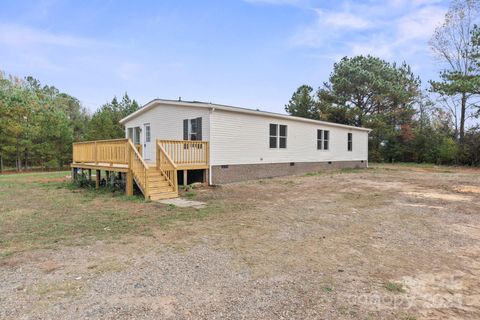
{"type": "Point", "coordinates": [388, 242]}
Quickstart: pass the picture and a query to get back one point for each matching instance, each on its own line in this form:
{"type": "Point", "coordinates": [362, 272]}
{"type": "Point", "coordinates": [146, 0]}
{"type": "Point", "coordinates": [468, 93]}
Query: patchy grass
{"type": "Point", "coordinates": [290, 183]}
{"type": "Point", "coordinates": [312, 174]}
{"type": "Point", "coordinates": [107, 266]}
{"type": "Point", "coordinates": [394, 287]}
{"type": "Point", "coordinates": [328, 243]}
{"type": "Point", "coordinates": [63, 289]}
{"type": "Point", "coordinates": [422, 167]}
{"type": "Point", "coordinates": [188, 214]}
{"type": "Point", "coordinates": [190, 194]}
{"type": "Point", "coordinates": [334, 171]}
{"type": "Point", "coordinates": [45, 210]}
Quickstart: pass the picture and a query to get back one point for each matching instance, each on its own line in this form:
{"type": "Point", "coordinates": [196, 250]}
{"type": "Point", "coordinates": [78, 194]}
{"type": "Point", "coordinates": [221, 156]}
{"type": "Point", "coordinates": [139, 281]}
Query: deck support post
{"type": "Point", "coordinates": [129, 186]}
{"type": "Point", "coordinates": [205, 177]}
{"type": "Point", "coordinates": [97, 179]}
{"type": "Point", "coordinates": [185, 182]}
{"type": "Point", "coordinates": [74, 174]}
{"type": "Point", "coordinates": [89, 174]}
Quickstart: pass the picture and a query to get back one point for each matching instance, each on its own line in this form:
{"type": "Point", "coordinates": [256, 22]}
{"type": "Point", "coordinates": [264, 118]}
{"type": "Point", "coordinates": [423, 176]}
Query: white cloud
{"type": "Point", "coordinates": [420, 24]}
{"type": "Point", "coordinates": [378, 47]}
{"type": "Point", "coordinates": [18, 35]}
{"type": "Point", "coordinates": [342, 20]}
{"type": "Point", "coordinates": [328, 24]}
{"type": "Point", "coordinates": [393, 29]}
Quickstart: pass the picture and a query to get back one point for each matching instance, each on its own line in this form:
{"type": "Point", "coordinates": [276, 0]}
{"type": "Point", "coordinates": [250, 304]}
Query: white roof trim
{"type": "Point", "coordinates": [157, 102]}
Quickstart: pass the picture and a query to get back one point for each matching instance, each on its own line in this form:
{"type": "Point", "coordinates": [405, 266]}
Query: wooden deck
{"type": "Point", "coordinates": [156, 180]}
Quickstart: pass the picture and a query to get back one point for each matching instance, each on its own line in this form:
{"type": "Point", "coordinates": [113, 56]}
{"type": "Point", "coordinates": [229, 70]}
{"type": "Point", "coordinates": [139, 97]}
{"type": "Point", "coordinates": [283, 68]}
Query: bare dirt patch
{"type": "Point", "coordinates": [439, 196]}
{"type": "Point", "coordinates": [382, 243]}
{"type": "Point", "coordinates": [468, 189]}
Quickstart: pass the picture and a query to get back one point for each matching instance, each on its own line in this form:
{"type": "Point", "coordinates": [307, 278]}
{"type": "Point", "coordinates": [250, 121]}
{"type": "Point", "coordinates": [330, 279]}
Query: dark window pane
{"type": "Point", "coordinates": [273, 142]}
{"type": "Point", "coordinates": [283, 143]}
{"type": "Point", "coordinates": [273, 129]}
{"type": "Point", "coordinates": [319, 134]}
{"type": "Point", "coordinates": [193, 124]}
{"type": "Point", "coordinates": [349, 145]}
{"type": "Point", "coordinates": [185, 129]}
{"type": "Point", "coordinates": [349, 137]}
{"type": "Point", "coordinates": [325, 145]}
{"type": "Point", "coordinates": [283, 131]}
{"type": "Point", "coordinates": [199, 128]}
{"type": "Point", "coordinates": [326, 135]}
{"type": "Point", "coordinates": [193, 136]}
{"type": "Point", "coordinates": [319, 144]}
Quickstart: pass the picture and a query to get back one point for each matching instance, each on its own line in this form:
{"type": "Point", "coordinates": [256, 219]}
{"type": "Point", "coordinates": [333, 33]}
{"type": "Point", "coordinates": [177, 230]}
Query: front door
{"type": "Point", "coordinates": [147, 144]}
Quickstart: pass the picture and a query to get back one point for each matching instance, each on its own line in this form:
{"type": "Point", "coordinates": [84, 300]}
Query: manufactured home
{"type": "Point", "coordinates": [177, 142]}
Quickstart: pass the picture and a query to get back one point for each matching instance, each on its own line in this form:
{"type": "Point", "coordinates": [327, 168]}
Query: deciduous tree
{"type": "Point", "coordinates": [454, 43]}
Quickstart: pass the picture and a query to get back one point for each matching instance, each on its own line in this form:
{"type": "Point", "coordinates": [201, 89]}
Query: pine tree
{"type": "Point", "coordinates": [302, 103]}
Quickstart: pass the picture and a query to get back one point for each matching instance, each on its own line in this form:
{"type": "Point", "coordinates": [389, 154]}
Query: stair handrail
{"type": "Point", "coordinates": [140, 174]}
{"type": "Point", "coordinates": [169, 174]}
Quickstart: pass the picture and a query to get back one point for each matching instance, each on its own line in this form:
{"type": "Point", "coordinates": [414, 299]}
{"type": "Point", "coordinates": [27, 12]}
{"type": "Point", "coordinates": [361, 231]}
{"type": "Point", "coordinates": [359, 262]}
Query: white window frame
{"type": "Point", "coordinates": [134, 133]}
{"type": "Point", "coordinates": [270, 136]}
{"type": "Point", "coordinates": [137, 135]}
{"type": "Point", "coordinates": [277, 136]}
{"type": "Point", "coordinates": [280, 137]}
{"type": "Point", "coordinates": [148, 133]}
{"type": "Point", "coordinates": [324, 139]}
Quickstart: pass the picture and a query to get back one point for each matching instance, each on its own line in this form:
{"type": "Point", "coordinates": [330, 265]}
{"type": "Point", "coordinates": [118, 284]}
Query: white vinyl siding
{"type": "Point", "coordinates": [166, 122]}
{"type": "Point", "coordinates": [244, 138]}
{"type": "Point", "coordinates": [236, 138]}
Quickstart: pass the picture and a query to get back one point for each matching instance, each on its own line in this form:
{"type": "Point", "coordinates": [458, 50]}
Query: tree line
{"type": "Point", "coordinates": [438, 124]}
{"type": "Point", "coordinates": [38, 123]}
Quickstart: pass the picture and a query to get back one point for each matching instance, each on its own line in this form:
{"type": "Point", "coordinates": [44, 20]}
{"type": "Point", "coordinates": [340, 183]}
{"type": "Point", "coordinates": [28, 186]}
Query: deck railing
{"type": "Point", "coordinates": [113, 151]}
{"type": "Point", "coordinates": [101, 151]}
{"type": "Point", "coordinates": [167, 166]}
{"type": "Point", "coordinates": [117, 152]}
{"type": "Point", "coordinates": [186, 152]}
{"type": "Point", "coordinates": [139, 168]}
{"type": "Point", "coordinates": [171, 156]}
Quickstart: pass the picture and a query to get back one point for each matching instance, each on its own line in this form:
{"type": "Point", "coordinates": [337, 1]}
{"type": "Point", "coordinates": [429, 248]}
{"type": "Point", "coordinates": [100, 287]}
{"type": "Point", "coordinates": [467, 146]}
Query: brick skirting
{"type": "Point", "coordinates": [242, 172]}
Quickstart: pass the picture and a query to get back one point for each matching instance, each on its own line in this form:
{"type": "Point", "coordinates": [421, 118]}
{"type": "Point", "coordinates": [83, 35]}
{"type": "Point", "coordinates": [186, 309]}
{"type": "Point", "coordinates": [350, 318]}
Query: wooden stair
{"type": "Point", "coordinates": [158, 186]}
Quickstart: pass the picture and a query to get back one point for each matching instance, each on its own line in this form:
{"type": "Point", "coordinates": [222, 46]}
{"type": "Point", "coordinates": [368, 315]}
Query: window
{"type": "Point", "coordinates": [273, 135]}
{"type": "Point", "coordinates": [350, 142]}
{"type": "Point", "coordinates": [283, 136]}
{"type": "Point", "coordinates": [130, 133]}
{"type": "Point", "coordinates": [136, 135]}
{"type": "Point", "coordinates": [147, 133]}
{"type": "Point", "coordinates": [278, 136]}
{"type": "Point", "coordinates": [192, 129]}
{"type": "Point", "coordinates": [323, 139]}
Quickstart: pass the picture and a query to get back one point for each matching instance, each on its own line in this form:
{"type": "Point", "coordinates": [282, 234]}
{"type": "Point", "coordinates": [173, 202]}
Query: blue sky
{"type": "Point", "coordinates": [248, 53]}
